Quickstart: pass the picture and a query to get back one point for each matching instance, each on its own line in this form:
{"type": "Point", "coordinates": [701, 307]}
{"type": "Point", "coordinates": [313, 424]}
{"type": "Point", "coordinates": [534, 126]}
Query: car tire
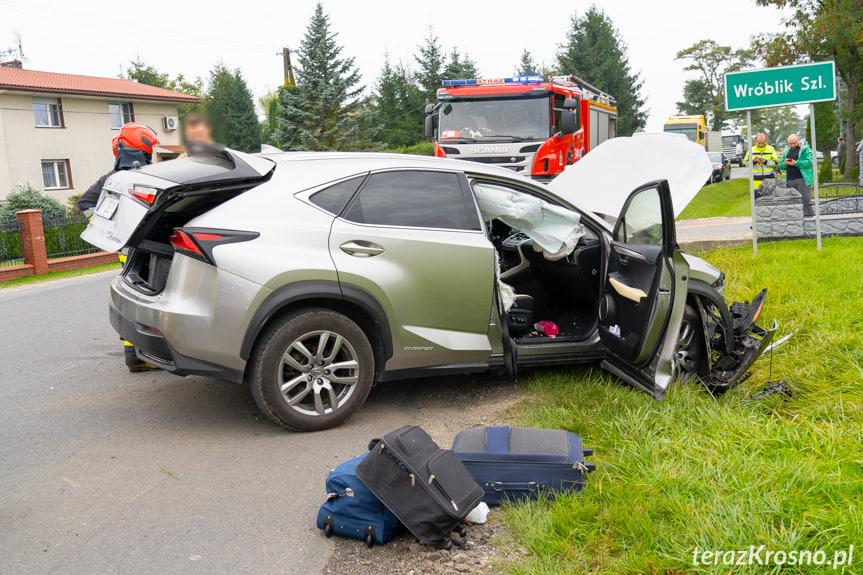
{"type": "Point", "coordinates": [312, 370]}
{"type": "Point", "coordinates": [691, 358]}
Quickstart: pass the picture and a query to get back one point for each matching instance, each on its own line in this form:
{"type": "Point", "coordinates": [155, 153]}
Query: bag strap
{"type": "Point", "coordinates": [348, 492]}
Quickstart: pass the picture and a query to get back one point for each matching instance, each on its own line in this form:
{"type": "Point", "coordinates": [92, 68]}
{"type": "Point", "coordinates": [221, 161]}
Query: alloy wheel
{"type": "Point", "coordinates": [318, 372]}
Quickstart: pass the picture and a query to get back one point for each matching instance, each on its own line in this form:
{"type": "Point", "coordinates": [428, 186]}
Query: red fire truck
{"type": "Point", "coordinates": [524, 123]}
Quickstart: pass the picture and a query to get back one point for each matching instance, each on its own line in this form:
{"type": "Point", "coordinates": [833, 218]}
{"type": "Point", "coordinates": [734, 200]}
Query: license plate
{"type": "Point", "coordinates": [107, 208]}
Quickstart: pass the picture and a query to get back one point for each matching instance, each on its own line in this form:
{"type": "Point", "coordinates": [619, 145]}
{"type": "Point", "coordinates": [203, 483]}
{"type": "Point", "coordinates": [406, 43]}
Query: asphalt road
{"type": "Point", "coordinates": [104, 471]}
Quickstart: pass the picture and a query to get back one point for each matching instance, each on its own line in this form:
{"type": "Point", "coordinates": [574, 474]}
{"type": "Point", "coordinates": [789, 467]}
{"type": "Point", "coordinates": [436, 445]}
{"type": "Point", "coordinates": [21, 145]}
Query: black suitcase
{"type": "Point", "coordinates": [516, 463]}
{"type": "Point", "coordinates": [426, 487]}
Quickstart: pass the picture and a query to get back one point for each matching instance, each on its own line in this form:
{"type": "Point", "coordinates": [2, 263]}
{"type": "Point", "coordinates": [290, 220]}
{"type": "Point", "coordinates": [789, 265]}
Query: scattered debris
{"type": "Point", "coordinates": [779, 388]}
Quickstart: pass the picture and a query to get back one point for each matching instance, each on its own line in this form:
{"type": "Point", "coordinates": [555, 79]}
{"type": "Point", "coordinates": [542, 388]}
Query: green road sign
{"type": "Point", "coordinates": [780, 86]}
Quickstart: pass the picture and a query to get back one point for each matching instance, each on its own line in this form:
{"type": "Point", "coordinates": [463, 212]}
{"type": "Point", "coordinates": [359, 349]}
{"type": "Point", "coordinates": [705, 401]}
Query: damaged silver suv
{"type": "Point", "coordinates": [313, 276]}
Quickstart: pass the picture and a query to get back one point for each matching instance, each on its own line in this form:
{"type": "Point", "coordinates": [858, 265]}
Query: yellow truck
{"type": "Point", "coordinates": [695, 128]}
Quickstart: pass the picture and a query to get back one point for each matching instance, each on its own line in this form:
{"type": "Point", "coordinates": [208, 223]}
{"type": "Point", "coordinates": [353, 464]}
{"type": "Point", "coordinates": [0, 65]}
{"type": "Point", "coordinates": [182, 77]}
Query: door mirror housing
{"type": "Point", "coordinates": [570, 103]}
{"type": "Point", "coordinates": [567, 122]}
{"type": "Point", "coordinates": [429, 127]}
{"type": "Point", "coordinates": [429, 109]}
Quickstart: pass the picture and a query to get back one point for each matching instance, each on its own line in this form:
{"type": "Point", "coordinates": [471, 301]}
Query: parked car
{"type": "Point", "coordinates": [314, 275]}
{"type": "Point", "coordinates": [721, 167]}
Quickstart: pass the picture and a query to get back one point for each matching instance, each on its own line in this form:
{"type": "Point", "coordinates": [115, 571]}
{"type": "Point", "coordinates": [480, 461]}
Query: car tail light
{"type": "Point", "coordinates": [144, 194]}
{"type": "Point", "coordinates": [199, 244]}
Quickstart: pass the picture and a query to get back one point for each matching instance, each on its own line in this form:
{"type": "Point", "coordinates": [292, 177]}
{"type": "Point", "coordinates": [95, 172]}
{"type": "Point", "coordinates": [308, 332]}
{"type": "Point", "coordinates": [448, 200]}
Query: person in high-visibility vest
{"type": "Point", "coordinates": [133, 146]}
{"type": "Point", "coordinates": [764, 160]}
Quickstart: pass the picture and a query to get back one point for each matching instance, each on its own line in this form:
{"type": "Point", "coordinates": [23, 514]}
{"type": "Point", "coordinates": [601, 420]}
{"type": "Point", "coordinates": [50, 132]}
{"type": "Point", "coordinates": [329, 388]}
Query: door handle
{"type": "Point", "coordinates": [361, 248]}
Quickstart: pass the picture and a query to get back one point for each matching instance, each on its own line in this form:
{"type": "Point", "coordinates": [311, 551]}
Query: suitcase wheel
{"type": "Point", "coordinates": [461, 530]}
{"type": "Point", "coordinates": [328, 525]}
{"type": "Point", "coordinates": [369, 536]}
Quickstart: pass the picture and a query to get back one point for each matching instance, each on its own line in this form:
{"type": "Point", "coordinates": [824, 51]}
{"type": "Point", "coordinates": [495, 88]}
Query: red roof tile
{"type": "Point", "coordinates": [34, 81]}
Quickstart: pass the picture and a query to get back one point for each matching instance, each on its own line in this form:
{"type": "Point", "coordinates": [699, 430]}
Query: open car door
{"type": "Point", "coordinates": [644, 292]}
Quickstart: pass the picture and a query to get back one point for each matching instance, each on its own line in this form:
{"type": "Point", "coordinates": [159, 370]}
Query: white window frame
{"type": "Point", "coordinates": [57, 178]}
{"type": "Point", "coordinates": [126, 114]}
{"type": "Point", "coordinates": [49, 103]}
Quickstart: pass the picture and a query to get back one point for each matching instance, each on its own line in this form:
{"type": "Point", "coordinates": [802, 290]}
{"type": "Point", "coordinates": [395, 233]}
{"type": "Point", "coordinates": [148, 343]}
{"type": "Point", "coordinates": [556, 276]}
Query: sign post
{"type": "Point", "coordinates": [781, 86]}
{"type": "Point", "coordinates": [751, 182]}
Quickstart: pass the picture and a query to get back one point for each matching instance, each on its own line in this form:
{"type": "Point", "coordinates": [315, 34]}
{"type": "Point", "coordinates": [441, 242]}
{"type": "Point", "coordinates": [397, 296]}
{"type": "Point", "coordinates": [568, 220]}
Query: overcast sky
{"type": "Point", "coordinates": [98, 37]}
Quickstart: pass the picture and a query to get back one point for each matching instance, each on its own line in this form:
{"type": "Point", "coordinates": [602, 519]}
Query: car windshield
{"type": "Point", "coordinates": [504, 119]}
{"type": "Point", "coordinates": [688, 130]}
{"type": "Point", "coordinates": [715, 157]}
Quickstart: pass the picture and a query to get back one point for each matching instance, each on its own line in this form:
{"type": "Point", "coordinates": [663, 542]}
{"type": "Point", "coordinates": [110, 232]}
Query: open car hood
{"type": "Point", "coordinates": [603, 179]}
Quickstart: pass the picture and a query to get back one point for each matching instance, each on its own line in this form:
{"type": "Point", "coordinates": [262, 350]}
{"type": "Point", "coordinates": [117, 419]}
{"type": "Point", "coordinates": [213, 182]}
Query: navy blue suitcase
{"type": "Point", "coordinates": [517, 463]}
{"type": "Point", "coordinates": [352, 510]}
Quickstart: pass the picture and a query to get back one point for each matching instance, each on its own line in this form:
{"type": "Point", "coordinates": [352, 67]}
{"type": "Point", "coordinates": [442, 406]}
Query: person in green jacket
{"type": "Point", "coordinates": [797, 161]}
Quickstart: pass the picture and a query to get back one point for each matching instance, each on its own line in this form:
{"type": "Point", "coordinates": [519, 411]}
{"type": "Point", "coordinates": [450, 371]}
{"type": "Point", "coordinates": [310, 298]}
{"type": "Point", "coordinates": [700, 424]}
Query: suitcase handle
{"type": "Point", "coordinates": [529, 486]}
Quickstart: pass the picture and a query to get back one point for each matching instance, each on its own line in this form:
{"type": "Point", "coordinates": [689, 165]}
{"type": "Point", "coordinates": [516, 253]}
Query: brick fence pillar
{"type": "Point", "coordinates": [32, 236]}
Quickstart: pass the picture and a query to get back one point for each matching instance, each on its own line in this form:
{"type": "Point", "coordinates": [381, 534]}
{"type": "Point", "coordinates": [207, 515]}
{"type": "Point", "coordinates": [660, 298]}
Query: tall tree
{"type": "Point", "coordinates": [326, 110]}
{"type": "Point", "coordinates": [712, 61]}
{"type": "Point", "coordinates": [398, 106]}
{"type": "Point", "coordinates": [270, 104]}
{"type": "Point", "coordinates": [526, 64]}
{"type": "Point", "coordinates": [777, 123]}
{"type": "Point", "coordinates": [230, 110]}
{"type": "Point", "coordinates": [826, 128]}
{"type": "Point", "coordinates": [697, 99]}
{"type": "Point", "coordinates": [143, 73]}
{"type": "Point", "coordinates": [459, 66]}
{"type": "Point", "coordinates": [819, 30]}
{"type": "Point", "coordinates": [244, 130]}
{"type": "Point", "coordinates": [431, 63]}
{"type": "Point", "coordinates": [595, 52]}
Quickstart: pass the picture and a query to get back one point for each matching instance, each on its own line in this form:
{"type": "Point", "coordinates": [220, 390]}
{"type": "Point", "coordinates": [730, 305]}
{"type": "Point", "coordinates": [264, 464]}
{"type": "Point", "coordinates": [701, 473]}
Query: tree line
{"type": "Point", "coordinates": [815, 31]}
{"type": "Point", "coordinates": [329, 108]}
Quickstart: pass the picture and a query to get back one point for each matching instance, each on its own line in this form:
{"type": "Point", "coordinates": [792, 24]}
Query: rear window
{"type": "Point", "coordinates": [334, 198]}
{"type": "Point", "coordinates": [414, 199]}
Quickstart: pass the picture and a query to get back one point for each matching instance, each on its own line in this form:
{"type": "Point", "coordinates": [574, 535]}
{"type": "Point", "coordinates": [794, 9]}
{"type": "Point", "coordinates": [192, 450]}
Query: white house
{"type": "Point", "coordinates": [56, 129]}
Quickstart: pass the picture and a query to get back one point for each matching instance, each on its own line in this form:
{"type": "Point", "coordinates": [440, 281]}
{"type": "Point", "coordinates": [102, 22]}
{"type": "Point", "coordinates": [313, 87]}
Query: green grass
{"type": "Point", "coordinates": [724, 199]}
{"type": "Point", "coordinates": [59, 275]}
{"type": "Point", "coordinates": [717, 473]}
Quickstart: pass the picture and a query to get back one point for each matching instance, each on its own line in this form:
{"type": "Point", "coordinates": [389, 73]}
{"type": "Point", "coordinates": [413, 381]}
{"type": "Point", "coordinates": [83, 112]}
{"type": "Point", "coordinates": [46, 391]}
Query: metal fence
{"type": "Point", "coordinates": [841, 198]}
{"type": "Point", "coordinates": [10, 245]}
{"type": "Point", "coordinates": [63, 237]}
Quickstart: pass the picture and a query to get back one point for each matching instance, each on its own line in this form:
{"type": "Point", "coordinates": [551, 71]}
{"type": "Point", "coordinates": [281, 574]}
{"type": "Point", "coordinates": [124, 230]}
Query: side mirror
{"type": "Point", "coordinates": [570, 103]}
{"type": "Point", "coordinates": [567, 122]}
{"type": "Point", "coordinates": [429, 127]}
{"type": "Point", "coordinates": [429, 109]}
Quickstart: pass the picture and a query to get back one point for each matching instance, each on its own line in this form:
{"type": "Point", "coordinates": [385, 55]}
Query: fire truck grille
{"type": "Point", "coordinates": [499, 159]}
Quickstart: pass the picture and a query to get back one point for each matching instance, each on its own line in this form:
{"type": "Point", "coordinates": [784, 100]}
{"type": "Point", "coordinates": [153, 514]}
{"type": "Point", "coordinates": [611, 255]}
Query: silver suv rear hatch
{"type": "Point", "coordinates": [133, 202]}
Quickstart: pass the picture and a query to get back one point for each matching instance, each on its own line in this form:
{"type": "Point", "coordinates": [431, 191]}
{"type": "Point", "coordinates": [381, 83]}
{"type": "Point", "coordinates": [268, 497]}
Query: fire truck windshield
{"type": "Point", "coordinates": [502, 119]}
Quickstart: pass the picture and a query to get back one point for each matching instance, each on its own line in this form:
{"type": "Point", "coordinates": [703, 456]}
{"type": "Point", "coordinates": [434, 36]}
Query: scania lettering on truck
{"type": "Point", "coordinates": [524, 123]}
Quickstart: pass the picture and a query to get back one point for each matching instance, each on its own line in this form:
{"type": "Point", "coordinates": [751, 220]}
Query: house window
{"type": "Point", "coordinates": [55, 174]}
{"type": "Point", "coordinates": [47, 113]}
{"type": "Point", "coordinates": [121, 114]}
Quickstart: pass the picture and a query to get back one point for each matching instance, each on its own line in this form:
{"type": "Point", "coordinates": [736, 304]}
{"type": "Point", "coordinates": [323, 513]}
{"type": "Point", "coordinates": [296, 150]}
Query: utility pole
{"type": "Point", "coordinates": [289, 70]}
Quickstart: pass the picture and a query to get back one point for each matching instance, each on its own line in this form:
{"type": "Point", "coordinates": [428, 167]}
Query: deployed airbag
{"type": "Point", "coordinates": [553, 229]}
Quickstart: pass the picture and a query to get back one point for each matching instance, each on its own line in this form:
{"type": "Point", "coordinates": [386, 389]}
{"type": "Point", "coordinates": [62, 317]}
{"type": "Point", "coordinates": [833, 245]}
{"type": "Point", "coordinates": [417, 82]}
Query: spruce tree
{"type": "Point", "coordinates": [595, 52]}
{"type": "Point", "coordinates": [398, 106]}
{"type": "Point", "coordinates": [217, 102]}
{"type": "Point", "coordinates": [459, 67]}
{"type": "Point", "coordinates": [326, 110]}
{"type": "Point", "coordinates": [526, 65]}
{"type": "Point", "coordinates": [431, 63]}
{"type": "Point", "coordinates": [243, 128]}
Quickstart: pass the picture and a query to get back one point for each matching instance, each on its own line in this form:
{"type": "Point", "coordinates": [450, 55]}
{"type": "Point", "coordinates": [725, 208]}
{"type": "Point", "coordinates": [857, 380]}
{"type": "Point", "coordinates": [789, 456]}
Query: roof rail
{"type": "Point", "coordinates": [593, 91]}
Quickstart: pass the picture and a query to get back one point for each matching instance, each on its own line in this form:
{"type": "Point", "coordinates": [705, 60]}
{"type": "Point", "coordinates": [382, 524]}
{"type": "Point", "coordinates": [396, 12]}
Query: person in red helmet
{"type": "Point", "coordinates": [133, 147]}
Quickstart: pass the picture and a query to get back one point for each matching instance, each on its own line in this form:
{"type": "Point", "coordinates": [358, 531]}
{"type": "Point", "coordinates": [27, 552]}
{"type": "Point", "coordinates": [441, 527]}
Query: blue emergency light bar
{"type": "Point", "coordinates": [533, 79]}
